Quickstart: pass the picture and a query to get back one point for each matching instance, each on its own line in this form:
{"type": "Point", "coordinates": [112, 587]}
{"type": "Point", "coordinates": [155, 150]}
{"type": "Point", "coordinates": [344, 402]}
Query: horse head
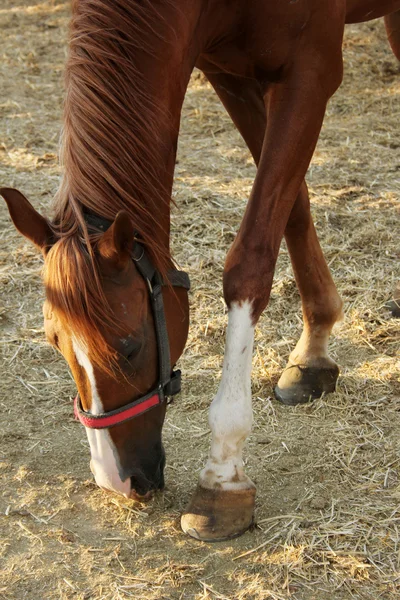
{"type": "Point", "coordinates": [99, 314]}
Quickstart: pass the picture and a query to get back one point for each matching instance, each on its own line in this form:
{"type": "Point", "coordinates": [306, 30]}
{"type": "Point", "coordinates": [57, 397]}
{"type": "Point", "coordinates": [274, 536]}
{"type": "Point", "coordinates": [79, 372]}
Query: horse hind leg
{"type": "Point", "coordinates": [310, 372]}
{"type": "Point", "coordinates": [392, 23]}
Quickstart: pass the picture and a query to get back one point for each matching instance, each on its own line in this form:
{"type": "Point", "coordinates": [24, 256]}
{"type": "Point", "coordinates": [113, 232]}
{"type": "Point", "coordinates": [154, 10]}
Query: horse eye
{"type": "Point", "coordinates": [55, 341]}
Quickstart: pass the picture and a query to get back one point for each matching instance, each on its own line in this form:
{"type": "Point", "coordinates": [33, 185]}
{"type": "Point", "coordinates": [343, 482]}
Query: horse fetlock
{"type": "Point", "coordinates": [321, 317]}
{"type": "Point", "coordinates": [336, 308]}
{"type": "Point", "coordinates": [228, 474]}
{"type": "Point", "coordinates": [215, 515]}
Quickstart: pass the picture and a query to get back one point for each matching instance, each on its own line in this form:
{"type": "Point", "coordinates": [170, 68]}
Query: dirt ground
{"type": "Point", "coordinates": [327, 474]}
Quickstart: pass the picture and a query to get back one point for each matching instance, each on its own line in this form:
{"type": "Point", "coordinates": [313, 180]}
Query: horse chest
{"type": "Point", "coordinates": [261, 43]}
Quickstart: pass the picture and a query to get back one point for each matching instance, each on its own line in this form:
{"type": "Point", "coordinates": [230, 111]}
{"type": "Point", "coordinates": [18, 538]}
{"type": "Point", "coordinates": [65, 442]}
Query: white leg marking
{"type": "Point", "coordinates": [104, 463]}
{"type": "Point", "coordinates": [231, 415]}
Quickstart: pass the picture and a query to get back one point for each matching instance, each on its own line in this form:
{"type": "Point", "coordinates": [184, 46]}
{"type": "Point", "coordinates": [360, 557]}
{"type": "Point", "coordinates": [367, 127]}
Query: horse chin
{"type": "Point", "coordinates": [139, 498]}
{"type": "Point", "coordinates": [133, 495]}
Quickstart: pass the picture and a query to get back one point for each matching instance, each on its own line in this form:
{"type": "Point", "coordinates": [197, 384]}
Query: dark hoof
{"type": "Point", "coordinates": [394, 307]}
{"type": "Point", "coordinates": [218, 515]}
{"type": "Point", "coordinates": [299, 385]}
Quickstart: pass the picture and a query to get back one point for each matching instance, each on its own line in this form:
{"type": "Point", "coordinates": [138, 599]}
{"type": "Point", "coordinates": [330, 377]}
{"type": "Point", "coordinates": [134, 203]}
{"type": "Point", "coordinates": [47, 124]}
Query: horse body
{"type": "Point", "coordinates": [274, 66]}
{"type": "Point", "coordinates": [359, 11]}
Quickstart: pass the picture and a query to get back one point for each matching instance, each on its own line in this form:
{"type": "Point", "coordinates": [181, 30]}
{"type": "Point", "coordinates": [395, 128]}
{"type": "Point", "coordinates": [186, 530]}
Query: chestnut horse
{"type": "Point", "coordinates": [115, 307]}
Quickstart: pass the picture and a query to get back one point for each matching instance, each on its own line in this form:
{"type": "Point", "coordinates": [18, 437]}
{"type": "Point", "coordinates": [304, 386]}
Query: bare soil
{"type": "Point", "coordinates": [327, 474]}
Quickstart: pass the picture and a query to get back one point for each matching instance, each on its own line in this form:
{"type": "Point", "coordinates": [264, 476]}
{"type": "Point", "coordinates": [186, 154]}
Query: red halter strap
{"type": "Point", "coordinates": [120, 415]}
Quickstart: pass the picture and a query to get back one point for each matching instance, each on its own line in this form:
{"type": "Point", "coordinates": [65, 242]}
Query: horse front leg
{"type": "Point", "coordinates": [222, 506]}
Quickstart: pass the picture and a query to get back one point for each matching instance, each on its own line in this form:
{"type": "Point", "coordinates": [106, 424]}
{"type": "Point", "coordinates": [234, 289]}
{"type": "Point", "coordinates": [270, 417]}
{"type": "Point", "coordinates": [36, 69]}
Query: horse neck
{"type": "Point", "coordinates": [125, 87]}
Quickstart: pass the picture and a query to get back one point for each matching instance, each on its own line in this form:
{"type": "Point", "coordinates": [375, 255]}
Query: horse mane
{"type": "Point", "coordinates": [111, 151]}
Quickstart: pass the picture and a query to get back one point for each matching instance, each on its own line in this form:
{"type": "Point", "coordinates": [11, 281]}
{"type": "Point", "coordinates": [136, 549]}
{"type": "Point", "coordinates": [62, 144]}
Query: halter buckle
{"type": "Point", "coordinates": [174, 384]}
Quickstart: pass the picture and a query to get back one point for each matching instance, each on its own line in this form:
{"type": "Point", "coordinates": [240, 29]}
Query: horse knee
{"type": "Point", "coordinates": [248, 276]}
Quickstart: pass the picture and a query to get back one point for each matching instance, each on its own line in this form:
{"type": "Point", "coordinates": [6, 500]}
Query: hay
{"type": "Point", "coordinates": [327, 474]}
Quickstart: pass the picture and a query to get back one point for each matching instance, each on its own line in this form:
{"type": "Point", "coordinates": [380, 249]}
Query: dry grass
{"type": "Point", "coordinates": [328, 504]}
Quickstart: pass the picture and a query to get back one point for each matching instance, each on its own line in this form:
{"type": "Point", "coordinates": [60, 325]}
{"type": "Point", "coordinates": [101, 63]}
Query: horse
{"type": "Point", "coordinates": [116, 307]}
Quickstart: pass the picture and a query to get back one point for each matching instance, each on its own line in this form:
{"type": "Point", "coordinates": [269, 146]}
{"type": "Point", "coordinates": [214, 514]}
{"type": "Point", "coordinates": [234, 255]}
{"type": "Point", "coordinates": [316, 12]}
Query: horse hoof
{"type": "Point", "coordinates": [299, 385]}
{"type": "Point", "coordinates": [218, 515]}
{"type": "Point", "coordinates": [394, 307]}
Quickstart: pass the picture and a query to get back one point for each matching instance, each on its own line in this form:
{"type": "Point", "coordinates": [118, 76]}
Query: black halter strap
{"type": "Point", "coordinates": [169, 381]}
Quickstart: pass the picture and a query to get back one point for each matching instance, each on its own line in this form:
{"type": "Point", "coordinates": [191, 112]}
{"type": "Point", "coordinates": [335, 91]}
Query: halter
{"type": "Point", "coordinates": [169, 381]}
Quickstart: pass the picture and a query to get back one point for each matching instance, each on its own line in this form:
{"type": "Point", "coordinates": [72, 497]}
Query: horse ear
{"type": "Point", "coordinates": [26, 219]}
{"type": "Point", "coordinates": [116, 244]}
